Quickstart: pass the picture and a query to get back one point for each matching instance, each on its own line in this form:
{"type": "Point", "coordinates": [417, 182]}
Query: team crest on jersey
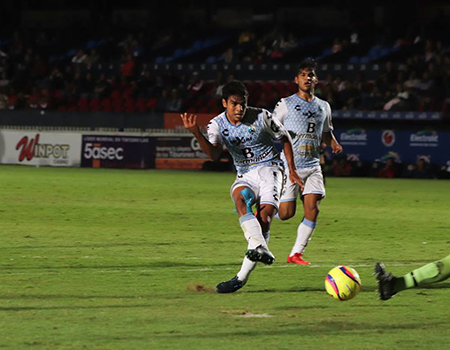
{"type": "Point", "coordinates": [225, 132]}
{"type": "Point", "coordinates": [251, 129]}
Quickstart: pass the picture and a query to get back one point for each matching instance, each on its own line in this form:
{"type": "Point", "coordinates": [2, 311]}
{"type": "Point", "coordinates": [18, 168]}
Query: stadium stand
{"type": "Point", "coordinates": [157, 67]}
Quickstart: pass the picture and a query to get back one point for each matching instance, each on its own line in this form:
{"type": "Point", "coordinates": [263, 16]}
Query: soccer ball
{"type": "Point", "coordinates": [343, 283]}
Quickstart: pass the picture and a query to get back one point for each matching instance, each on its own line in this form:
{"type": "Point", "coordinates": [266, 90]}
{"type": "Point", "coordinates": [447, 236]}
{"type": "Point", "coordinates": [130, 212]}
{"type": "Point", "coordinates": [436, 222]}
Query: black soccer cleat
{"type": "Point", "coordinates": [230, 286]}
{"type": "Point", "coordinates": [386, 282]}
{"type": "Point", "coordinates": [260, 254]}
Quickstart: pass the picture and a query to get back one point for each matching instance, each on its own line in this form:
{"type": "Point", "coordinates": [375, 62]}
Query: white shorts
{"type": "Point", "coordinates": [312, 180]}
{"type": "Point", "coordinates": [266, 183]}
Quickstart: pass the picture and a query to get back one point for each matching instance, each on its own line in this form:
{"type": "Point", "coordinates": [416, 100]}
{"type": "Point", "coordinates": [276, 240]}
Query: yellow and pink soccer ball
{"type": "Point", "coordinates": [342, 283]}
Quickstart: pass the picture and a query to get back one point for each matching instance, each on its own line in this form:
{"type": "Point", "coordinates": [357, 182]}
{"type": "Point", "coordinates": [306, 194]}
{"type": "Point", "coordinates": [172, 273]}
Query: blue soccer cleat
{"type": "Point", "coordinates": [230, 286]}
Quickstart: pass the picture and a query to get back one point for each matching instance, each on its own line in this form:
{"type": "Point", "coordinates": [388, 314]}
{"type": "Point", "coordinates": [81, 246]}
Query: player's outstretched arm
{"type": "Point", "coordinates": [190, 123]}
{"type": "Point", "coordinates": [330, 140]}
{"type": "Point", "coordinates": [289, 153]}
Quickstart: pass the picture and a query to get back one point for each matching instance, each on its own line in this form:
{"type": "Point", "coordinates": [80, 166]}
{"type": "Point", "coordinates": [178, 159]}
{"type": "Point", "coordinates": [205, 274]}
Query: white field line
{"type": "Point", "coordinates": [250, 315]}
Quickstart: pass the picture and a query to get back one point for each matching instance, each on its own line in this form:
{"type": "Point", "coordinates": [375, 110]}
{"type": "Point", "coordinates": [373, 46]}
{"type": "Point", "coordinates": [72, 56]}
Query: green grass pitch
{"type": "Point", "coordinates": [121, 259]}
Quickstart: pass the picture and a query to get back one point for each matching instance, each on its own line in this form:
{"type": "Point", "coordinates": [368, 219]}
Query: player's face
{"type": "Point", "coordinates": [306, 80]}
{"type": "Point", "coordinates": [236, 106]}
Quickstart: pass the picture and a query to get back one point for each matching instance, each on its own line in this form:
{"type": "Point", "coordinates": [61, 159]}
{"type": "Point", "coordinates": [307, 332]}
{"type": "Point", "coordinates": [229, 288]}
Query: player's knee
{"type": "Point", "coordinates": [243, 200]}
{"type": "Point", "coordinates": [316, 210]}
{"type": "Point", "coordinates": [287, 210]}
{"type": "Point", "coordinates": [312, 211]}
{"type": "Point", "coordinates": [265, 219]}
{"type": "Point", "coordinates": [286, 214]}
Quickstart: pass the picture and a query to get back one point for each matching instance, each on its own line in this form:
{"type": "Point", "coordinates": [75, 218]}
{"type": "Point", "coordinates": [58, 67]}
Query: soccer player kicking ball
{"type": "Point", "coordinates": [389, 285]}
{"type": "Point", "coordinates": [308, 121]}
{"type": "Point", "coordinates": [248, 134]}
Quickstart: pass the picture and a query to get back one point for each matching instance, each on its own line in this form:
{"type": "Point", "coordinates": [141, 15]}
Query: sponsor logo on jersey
{"type": "Point", "coordinates": [309, 114]}
{"type": "Point", "coordinates": [254, 160]}
{"type": "Point", "coordinates": [306, 136]}
{"type": "Point", "coordinates": [240, 140]}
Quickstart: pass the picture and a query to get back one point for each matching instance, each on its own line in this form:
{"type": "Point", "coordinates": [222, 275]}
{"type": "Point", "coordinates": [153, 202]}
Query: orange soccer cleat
{"type": "Point", "coordinates": [297, 259]}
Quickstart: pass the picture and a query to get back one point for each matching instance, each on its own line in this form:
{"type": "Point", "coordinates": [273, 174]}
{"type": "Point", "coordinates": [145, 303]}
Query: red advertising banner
{"type": "Point", "coordinates": [173, 120]}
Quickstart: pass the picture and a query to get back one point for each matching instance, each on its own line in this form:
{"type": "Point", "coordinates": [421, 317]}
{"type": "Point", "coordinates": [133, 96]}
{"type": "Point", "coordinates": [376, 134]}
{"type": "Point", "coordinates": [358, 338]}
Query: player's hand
{"type": "Point", "coordinates": [293, 176]}
{"type": "Point", "coordinates": [336, 147]}
{"type": "Point", "coordinates": [190, 122]}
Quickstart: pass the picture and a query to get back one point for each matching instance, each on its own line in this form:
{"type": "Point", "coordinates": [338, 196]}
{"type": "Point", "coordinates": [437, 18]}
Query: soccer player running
{"type": "Point", "coordinates": [308, 120]}
{"type": "Point", "coordinates": [248, 134]}
{"type": "Point", "coordinates": [389, 285]}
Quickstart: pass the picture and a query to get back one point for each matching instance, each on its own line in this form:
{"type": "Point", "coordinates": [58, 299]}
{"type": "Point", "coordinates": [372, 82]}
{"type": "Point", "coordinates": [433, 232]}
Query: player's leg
{"type": "Point", "coordinates": [313, 193]}
{"type": "Point", "coordinates": [266, 212]}
{"type": "Point", "coordinates": [270, 185]}
{"type": "Point", "coordinates": [288, 200]}
{"type": "Point", "coordinates": [244, 198]}
{"type": "Point", "coordinates": [244, 193]}
{"type": "Point", "coordinates": [389, 285]}
{"type": "Point", "coordinates": [248, 266]}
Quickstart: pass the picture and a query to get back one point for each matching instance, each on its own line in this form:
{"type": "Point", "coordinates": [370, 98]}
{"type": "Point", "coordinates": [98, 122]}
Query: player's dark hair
{"type": "Point", "coordinates": [234, 87]}
{"type": "Point", "coordinates": [308, 63]}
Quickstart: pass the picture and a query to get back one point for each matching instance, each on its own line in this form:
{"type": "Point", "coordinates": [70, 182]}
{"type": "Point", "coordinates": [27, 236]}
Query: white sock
{"type": "Point", "coordinates": [247, 265]}
{"type": "Point", "coordinates": [304, 233]}
{"type": "Point", "coordinates": [252, 231]}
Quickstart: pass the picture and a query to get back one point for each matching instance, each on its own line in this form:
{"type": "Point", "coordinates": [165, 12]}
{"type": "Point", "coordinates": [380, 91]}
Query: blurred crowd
{"type": "Point", "coordinates": [387, 168]}
{"type": "Point", "coordinates": [33, 76]}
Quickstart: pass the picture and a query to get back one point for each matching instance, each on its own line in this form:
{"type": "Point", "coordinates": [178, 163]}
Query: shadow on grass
{"type": "Point", "coordinates": [70, 296]}
{"type": "Point", "coordinates": [41, 308]}
{"type": "Point", "coordinates": [304, 289]}
{"type": "Point", "coordinates": [99, 245]}
{"type": "Point", "coordinates": [368, 289]}
{"type": "Point", "coordinates": [158, 264]}
{"type": "Point", "coordinates": [316, 329]}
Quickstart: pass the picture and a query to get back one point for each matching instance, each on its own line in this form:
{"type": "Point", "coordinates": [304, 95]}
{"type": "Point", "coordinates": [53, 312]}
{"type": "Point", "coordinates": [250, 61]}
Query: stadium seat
{"type": "Point", "coordinates": [83, 104]}
{"type": "Point", "coordinates": [151, 104]}
{"type": "Point", "coordinates": [128, 91]}
{"type": "Point", "coordinates": [116, 93]}
{"type": "Point", "coordinates": [427, 104]}
{"type": "Point", "coordinates": [129, 105]}
{"type": "Point", "coordinates": [105, 105]}
{"type": "Point", "coordinates": [141, 105]}
{"type": "Point", "coordinates": [118, 108]}
{"type": "Point", "coordinates": [280, 88]}
{"type": "Point", "coordinates": [94, 104]}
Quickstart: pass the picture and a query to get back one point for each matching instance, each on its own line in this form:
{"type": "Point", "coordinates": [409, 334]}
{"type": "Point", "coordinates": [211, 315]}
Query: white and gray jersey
{"type": "Point", "coordinates": [305, 122]}
{"type": "Point", "coordinates": [249, 143]}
